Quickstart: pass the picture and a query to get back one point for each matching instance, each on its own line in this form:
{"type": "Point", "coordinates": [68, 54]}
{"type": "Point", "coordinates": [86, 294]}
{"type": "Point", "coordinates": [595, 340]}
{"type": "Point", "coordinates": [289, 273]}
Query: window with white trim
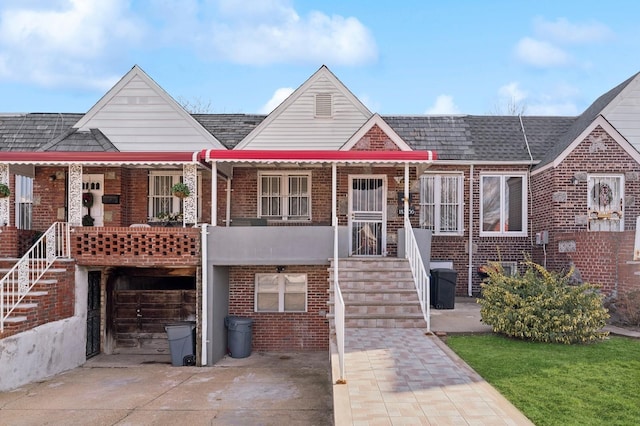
{"type": "Point", "coordinates": [441, 203]}
{"type": "Point", "coordinates": [605, 202]}
{"type": "Point", "coordinates": [163, 205]}
{"type": "Point", "coordinates": [284, 195]}
{"type": "Point", "coordinates": [503, 206]}
{"type": "Point", "coordinates": [281, 292]}
{"type": "Point", "coordinates": [24, 202]}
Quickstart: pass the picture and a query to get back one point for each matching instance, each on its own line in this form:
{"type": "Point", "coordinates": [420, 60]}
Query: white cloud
{"type": "Point", "coordinates": [540, 53]}
{"type": "Point", "coordinates": [512, 92]}
{"type": "Point", "coordinates": [444, 105]}
{"type": "Point", "coordinates": [278, 97]}
{"type": "Point", "coordinates": [286, 37]}
{"type": "Point", "coordinates": [563, 31]}
{"type": "Point", "coordinates": [62, 44]}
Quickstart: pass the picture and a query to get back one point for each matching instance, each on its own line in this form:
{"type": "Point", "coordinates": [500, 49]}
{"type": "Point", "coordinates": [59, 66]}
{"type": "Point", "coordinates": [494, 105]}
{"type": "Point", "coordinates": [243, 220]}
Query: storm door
{"type": "Point", "coordinates": [367, 215]}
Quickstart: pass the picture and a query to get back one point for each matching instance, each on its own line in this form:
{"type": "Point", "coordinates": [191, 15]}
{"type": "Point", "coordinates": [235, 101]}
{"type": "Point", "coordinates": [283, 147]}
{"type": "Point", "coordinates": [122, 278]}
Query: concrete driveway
{"type": "Point", "coordinates": [262, 389]}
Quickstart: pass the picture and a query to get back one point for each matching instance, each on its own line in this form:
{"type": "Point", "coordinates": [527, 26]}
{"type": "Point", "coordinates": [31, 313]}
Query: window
{"type": "Point", "coordinates": [162, 203]}
{"type": "Point", "coordinates": [284, 195]}
{"type": "Point", "coordinates": [441, 203]}
{"type": "Point", "coordinates": [503, 207]}
{"type": "Point", "coordinates": [281, 293]}
{"type": "Point", "coordinates": [24, 202]}
{"type": "Point", "coordinates": [605, 203]}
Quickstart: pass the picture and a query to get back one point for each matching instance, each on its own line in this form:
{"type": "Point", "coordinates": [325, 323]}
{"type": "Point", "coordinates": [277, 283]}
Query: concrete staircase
{"type": "Point", "coordinates": [42, 304]}
{"type": "Point", "coordinates": [377, 292]}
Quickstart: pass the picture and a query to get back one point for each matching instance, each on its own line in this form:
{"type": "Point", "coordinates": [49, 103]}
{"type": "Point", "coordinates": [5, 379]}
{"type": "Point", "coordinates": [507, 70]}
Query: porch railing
{"type": "Point", "coordinates": [21, 278]}
{"type": "Point", "coordinates": [420, 276]}
{"type": "Point", "coordinates": [338, 307]}
{"type": "Point", "coordinates": [636, 246]}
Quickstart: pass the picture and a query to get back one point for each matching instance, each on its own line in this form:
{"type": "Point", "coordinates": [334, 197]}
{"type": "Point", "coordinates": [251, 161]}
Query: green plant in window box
{"type": "Point", "coordinates": [4, 190]}
{"type": "Point", "coordinates": [180, 190]}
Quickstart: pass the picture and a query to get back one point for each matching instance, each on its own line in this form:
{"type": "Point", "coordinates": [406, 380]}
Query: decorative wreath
{"type": "Point", "coordinates": [87, 199]}
{"type": "Point", "coordinates": [603, 193]}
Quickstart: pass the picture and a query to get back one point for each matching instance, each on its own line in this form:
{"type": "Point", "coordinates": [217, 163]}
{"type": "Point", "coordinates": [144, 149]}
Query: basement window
{"type": "Point", "coordinates": [281, 292]}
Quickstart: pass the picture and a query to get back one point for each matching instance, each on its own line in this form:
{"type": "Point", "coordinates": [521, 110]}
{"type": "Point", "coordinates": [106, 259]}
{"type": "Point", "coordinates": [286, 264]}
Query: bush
{"type": "Point", "coordinates": [627, 307]}
{"type": "Point", "coordinates": [542, 306]}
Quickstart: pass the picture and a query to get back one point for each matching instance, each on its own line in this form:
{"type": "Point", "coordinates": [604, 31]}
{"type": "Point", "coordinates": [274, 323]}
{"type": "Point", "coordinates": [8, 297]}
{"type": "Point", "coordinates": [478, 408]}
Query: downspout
{"type": "Point", "coordinates": [205, 284]}
{"type": "Point", "coordinates": [470, 266]}
{"type": "Point", "coordinates": [529, 204]}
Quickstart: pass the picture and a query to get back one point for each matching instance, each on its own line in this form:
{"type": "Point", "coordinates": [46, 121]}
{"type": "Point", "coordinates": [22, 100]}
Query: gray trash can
{"type": "Point", "coordinates": [182, 342]}
{"type": "Point", "coordinates": [238, 336]}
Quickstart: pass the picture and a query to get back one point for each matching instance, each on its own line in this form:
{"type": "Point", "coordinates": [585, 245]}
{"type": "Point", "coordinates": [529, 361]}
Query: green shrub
{"type": "Point", "coordinates": [542, 306]}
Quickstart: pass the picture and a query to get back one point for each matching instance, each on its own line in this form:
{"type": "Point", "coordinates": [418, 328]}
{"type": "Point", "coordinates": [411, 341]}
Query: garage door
{"type": "Point", "coordinates": [139, 318]}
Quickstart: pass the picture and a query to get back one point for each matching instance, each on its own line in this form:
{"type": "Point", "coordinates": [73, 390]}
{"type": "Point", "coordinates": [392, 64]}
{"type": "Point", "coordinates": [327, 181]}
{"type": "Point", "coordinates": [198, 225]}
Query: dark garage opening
{"type": "Point", "coordinates": [142, 301]}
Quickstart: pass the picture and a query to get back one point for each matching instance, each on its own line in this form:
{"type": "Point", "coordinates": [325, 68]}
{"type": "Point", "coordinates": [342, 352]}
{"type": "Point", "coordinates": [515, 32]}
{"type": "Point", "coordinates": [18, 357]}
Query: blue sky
{"type": "Point", "coordinates": [407, 57]}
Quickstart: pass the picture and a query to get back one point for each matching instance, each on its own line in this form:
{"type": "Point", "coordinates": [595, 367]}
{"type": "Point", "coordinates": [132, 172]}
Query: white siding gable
{"type": "Point", "coordinates": [138, 115]}
{"type": "Point", "coordinates": [624, 112]}
{"type": "Point", "coordinates": [297, 125]}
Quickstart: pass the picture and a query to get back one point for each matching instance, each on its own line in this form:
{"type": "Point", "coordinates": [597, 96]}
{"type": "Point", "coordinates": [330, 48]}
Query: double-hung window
{"type": "Point", "coordinates": [284, 195]}
{"type": "Point", "coordinates": [503, 206]}
{"type": "Point", "coordinates": [605, 202]}
{"type": "Point", "coordinates": [163, 205]}
{"type": "Point", "coordinates": [441, 203]}
{"type": "Point", "coordinates": [281, 292]}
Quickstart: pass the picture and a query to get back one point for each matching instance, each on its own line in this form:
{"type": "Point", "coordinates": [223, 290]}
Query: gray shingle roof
{"type": "Point", "coordinates": [583, 121]}
{"type": "Point", "coordinates": [28, 132]}
{"type": "Point", "coordinates": [480, 138]}
{"type": "Point", "coordinates": [229, 129]}
{"type": "Point", "coordinates": [74, 141]}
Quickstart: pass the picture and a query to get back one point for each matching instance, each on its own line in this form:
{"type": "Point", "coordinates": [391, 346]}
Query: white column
{"type": "Point", "coordinates": [190, 203]}
{"type": "Point", "coordinates": [406, 192]}
{"type": "Point", "coordinates": [75, 195]}
{"type": "Point", "coordinates": [4, 202]}
{"type": "Point", "coordinates": [214, 193]}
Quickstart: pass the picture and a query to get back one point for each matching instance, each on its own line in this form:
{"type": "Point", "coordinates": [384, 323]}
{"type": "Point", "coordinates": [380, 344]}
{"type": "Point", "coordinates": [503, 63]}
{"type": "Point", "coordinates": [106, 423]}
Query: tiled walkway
{"type": "Point", "coordinates": [404, 377]}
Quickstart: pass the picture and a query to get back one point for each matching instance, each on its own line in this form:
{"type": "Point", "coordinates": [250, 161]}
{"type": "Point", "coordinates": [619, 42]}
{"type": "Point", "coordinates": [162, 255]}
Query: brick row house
{"type": "Point", "coordinates": [278, 201]}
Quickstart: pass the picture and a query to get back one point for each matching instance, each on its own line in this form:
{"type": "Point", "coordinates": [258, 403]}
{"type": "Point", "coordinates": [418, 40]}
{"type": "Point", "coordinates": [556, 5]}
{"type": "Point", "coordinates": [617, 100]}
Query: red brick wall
{"type": "Point", "coordinates": [106, 246]}
{"type": "Point", "coordinates": [561, 209]}
{"type": "Point", "coordinates": [8, 241]}
{"type": "Point", "coordinates": [57, 302]}
{"type": "Point", "coordinates": [375, 140]}
{"type": "Point", "coordinates": [304, 331]}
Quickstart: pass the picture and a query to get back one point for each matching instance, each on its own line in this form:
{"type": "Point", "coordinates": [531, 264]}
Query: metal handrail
{"type": "Point", "coordinates": [338, 307]}
{"type": "Point", "coordinates": [21, 278]}
{"type": "Point", "coordinates": [420, 276]}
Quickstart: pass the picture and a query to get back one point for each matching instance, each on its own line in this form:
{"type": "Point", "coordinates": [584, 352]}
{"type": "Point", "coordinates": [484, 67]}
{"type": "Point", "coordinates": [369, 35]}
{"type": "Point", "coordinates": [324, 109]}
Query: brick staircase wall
{"type": "Point", "coordinates": [51, 299]}
{"type": "Point", "coordinates": [377, 292]}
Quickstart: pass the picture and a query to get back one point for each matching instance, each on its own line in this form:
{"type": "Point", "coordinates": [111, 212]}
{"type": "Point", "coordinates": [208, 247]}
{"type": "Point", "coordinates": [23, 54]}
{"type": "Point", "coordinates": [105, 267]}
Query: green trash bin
{"type": "Point", "coordinates": [182, 342]}
{"type": "Point", "coordinates": [238, 336]}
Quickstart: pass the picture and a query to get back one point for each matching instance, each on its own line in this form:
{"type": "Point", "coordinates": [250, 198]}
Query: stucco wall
{"type": "Point", "coordinates": [49, 349]}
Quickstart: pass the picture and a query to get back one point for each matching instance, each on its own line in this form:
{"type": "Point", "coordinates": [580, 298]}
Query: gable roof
{"type": "Point", "coordinates": [75, 141]}
{"type": "Point", "coordinates": [376, 120]}
{"type": "Point", "coordinates": [295, 119]}
{"type": "Point", "coordinates": [583, 121]}
{"type": "Point", "coordinates": [138, 115]}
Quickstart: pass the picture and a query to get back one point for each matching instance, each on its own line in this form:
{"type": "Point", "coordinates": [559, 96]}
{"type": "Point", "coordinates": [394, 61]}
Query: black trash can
{"type": "Point", "coordinates": [443, 288]}
{"type": "Point", "coordinates": [238, 336]}
{"type": "Point", "coordinates": [182, 342]}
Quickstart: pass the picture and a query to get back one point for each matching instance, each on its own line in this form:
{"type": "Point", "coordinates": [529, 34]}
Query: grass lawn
{"type": "Point", "coordinates": [555, 384]}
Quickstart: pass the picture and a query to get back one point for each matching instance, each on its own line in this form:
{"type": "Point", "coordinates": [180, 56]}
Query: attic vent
{"type": "Point", "coordinates": [323, 105]}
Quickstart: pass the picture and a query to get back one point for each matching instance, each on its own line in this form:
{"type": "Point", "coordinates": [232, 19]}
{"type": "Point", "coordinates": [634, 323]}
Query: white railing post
{"type": "Point", "coordinates": [21, 278]}
{"type": "Point", "coordinates": [636, 247]}
{"type": "Point", "coordinates": [338, 301]}
{"type": "Point", "coordinates": [420, 276]}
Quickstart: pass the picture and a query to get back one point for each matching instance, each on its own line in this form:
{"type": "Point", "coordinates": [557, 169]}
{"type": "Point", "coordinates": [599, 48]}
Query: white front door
{"type": "Point", "coordinates": [94, 185]}
{"type": "Point", "coordinates": [367, 215]}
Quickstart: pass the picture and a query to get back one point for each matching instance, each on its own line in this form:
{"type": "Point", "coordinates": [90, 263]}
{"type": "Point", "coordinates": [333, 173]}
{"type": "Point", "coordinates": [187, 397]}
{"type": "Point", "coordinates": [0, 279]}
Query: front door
{"type": "Point", "coordinates": [93, 185]}
{"type": "Point", "coordinates": [367, 215]}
